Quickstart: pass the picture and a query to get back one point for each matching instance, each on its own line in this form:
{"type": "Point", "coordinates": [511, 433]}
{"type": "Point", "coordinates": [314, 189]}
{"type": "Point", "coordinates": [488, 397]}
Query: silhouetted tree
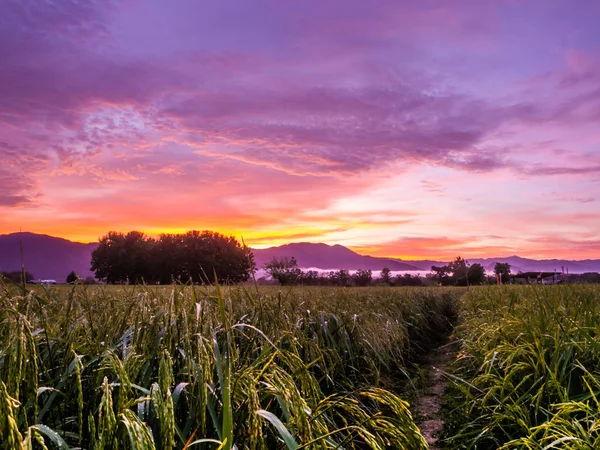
{"type": "Point", "coordinates": [362, 278]}
{"type": "Point", "coordinates": [340, 278]}
{"type": "Point", "coordinates": [386, 276]}
{"type": "Point", "coordinates": [459, 273]}
{"type": "Point", "coordinates": [123, 258]}
{"type": "Point", "coordinates": [476, 274]}
{"type": "Point", "coordinates": [285, 270]}
{"type": "Point", "coordinates": [502, 269]}
{"type": "Point", "coordinates": [206, 254]}
{"type": "Point", "coordinates": [16, 276]}
{"type": "Point", "coordinates": [459, 269]}
{"type": "Point", "coordinates": [441, 274]}
{"type": "Point", "coordinates": [311, 278]}
{"type": "Point", "coordinates": [72, 277]}
{"type": "Point", "coordinates": [408, 280]}
{"type": "Point", "coordinates": [193, 256]}
{"type": "Point", "coordinates": [89, 280]}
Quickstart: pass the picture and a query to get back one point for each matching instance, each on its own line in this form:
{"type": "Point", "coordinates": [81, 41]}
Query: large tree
{"type": "Point", "coordinates": [194, 256]}
{"type": "Point", "coordinates": [206, 254]}
{"type": "Point", "coordinates": [123, 257]}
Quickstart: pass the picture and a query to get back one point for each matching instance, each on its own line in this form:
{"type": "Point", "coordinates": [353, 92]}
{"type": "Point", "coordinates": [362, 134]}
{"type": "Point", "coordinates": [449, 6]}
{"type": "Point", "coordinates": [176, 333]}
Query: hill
{"type": "Point", "coordinates": [544, 265]}
{"type": "Point", "coordinates": [45, 257]}
{"type": "Point", "coordinates": [51, 257]}
{"type": "Point", "coordinates": [325, 256]}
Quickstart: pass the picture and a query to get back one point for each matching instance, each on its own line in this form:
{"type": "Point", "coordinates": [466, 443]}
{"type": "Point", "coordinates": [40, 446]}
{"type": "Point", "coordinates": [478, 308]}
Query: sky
{"type": "Point", "coordinates": [412, 129]}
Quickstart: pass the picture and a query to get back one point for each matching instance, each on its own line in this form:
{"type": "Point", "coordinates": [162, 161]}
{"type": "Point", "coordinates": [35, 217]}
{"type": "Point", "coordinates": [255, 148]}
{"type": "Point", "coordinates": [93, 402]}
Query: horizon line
{"type": "Point", "coordinates": [351, 248]}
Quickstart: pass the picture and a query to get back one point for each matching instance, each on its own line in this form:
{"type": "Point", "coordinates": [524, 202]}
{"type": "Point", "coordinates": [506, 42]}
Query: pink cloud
{"type": "Point", "coordinates": [258, 115]}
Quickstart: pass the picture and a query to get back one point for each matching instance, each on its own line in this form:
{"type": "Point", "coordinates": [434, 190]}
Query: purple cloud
{"type": "Point", "coordinates": [287, 107]}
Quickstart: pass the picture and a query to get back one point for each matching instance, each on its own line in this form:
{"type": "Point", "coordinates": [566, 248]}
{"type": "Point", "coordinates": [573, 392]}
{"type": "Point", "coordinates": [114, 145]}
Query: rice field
{"type": "Point", "coordinates": [208, 368]}
{"type": "Point", "coordinates": [528, 372]}
{"type": "Point", "coordinates": [141, 367]}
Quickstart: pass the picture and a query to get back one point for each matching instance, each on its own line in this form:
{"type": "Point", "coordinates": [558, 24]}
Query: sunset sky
{"type": "Point", "coordinates": [414, 129]}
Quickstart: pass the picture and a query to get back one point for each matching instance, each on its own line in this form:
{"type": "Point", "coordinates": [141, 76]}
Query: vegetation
{"type": "Point", "coordinates": [137, 367]}
{"type": "Point", "coordinates": [194, 256]}
{"type": "Point", "coordinates": [502, 270]}
{"type": "Point", "coordinates": [459, 273]}
{"type": "Point", "coordinates": [386, 276]}
{"type": "Point", "coordinates": [147, 367]}
{"type": "Point", "coordinates": [72, 277]}
{"type": "Point", "coordinates": [16, 276]}
{"type": "Point", "coordinates": [527, 375]}
{"type": "Point", "coordinates": [284, 270]}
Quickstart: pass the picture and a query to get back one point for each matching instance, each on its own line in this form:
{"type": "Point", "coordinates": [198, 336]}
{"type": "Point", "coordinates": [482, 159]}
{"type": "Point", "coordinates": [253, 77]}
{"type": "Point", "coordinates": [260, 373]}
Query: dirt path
{"type": "Point", "coordinates": [428, 406]}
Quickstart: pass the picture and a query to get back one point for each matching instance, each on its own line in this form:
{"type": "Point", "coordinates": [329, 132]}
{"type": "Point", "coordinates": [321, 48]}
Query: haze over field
{"type": "Point", "coordinates": [404, 129]}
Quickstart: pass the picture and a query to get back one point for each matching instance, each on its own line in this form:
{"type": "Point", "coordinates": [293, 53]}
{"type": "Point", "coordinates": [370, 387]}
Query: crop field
{"type": "Point", "coordinates": [136, 367]}
{"type": "Point", "coordinates": [528, 372]}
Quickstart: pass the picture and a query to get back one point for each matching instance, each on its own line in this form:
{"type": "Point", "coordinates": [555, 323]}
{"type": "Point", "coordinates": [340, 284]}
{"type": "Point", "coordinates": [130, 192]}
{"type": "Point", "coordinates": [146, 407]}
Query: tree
{"type": "Point", "coordinates": [362, 278]}
{"type": "Point", "coordinates": [16, 276]}
{"type": "Point", "coordinates": [311, 278]}
{"type": "Point", "coordinates": [386, 276]}
{"type": "Point", "coordinates": [194, 256]}
{"type": "Point", "coordinates": [89, 280]}
{"type": "Point", "coordinates": [459, 273]}
{"type": "Point", "coordinates": [476, 274]}
{"type": "Point", "coordinates": [72, 277]}
{"type": "Point", "coordinates": [440, 274]}
{"type": "Point", "coordinates": [123, 257]}
{"type": "Point", "coordinates": [285, 270]}
{"type": "Point", "coordinates": [340, 278]}
{"type": "Point", "coordinates": [460, 270]}
{"type": "Point", "coordinates": [207, 253]}
{"type": "Point", "coordinates": [408, 280]}
{"type": "Point", "coordinates": [503, 270]}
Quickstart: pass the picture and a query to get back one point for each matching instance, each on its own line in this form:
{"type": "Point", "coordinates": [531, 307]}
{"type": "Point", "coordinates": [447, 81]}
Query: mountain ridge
{"type": "Point", "coordinates": [52, 257]}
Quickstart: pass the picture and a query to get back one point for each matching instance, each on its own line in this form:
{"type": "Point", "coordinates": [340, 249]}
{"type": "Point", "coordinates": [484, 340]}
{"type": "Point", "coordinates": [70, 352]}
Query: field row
{"type": "Point", "coordinates": [187, 367]}
{"type": "Point", "coordinates": [528, 372]}
{"type": "Point", "coordinates": [135, 367]}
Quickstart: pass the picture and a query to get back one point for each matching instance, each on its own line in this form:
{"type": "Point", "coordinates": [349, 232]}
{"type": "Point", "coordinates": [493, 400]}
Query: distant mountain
{"type": "Point", "coordinates": [325, 256]}
{"type": "Point", "coordinates": [50, 257]}
{"type": "Point", "coordinates": [45, 257]}
{"type": "Point", "coordinates": [545, 265]}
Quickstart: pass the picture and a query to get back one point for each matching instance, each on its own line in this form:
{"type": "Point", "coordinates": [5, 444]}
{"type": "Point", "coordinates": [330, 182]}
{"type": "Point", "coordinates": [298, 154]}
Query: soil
{"type": "Point", "coordinates": [428, 406]}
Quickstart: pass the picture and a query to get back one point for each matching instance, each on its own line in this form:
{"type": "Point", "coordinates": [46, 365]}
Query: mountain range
{"type": "Point", "coordinates": [45, 257]}
{"type": "Point", "coordinates": [50, 257]}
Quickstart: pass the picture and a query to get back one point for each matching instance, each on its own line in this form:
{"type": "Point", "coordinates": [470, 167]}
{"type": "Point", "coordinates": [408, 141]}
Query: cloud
{"type": "Point", "coordinates": [70, 77]}
{"type": "Point", "coordinates": [343, 131]}
{"type": "Point", "coordinates": [19, 173]}
{"type": "Point", "coordinates": [545, 169]}
{"type": "Point", "coordinates": [264, 115]}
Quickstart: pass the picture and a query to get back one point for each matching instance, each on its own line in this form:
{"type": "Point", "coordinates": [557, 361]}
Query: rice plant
{"type": "Point", "coordinates": [182, 367]}
{"type": "Point", "coordinates": [528, 372]}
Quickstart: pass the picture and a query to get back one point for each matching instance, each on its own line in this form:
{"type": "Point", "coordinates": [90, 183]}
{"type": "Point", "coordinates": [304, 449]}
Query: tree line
{"type": "Point", "coordinates": [16, 276]}
{"type": "Point", "coordinates": [286, 272]}
{"type": "Point", "coordinates": [457, 273]}
{"type": "Point", "coordinates": [190, 257]}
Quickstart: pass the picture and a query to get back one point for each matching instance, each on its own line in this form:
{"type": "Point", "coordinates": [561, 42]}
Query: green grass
{"type": "Point", "coordinates": [187, 367]}
{"type": "Point", "coordinates": [528, 374]}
